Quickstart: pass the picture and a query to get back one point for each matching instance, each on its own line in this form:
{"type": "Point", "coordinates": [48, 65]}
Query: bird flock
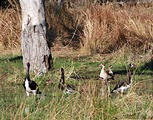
{"type": "Point", "coordinates": [32, 87]}
{"type": "Point", "coordinates": [120, 86]}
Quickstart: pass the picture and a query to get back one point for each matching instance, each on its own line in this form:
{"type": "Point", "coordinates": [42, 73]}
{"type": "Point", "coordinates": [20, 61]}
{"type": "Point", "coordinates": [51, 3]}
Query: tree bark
{"type": "Point", "coordinates": [35, 49]}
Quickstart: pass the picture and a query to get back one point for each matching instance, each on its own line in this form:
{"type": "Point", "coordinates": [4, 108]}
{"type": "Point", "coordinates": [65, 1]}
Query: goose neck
{"type": "Point", "coordinates": [129, 75]}
{"type": "Point", "coordinates": [110, 71]}
{"type": "Point", "coordinates": [63, 77]}
{"type": "Point", "coordinates": [27, 73]}
{"type": "Point", "coordinates": [103, 68]}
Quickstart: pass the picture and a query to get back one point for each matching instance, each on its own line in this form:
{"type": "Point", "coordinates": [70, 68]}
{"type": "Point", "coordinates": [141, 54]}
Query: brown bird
{"type": "Point", "coordinates": [63, 86]}
{"type": "Point", "coordinates": [110, 72]}
{"type": "Point", "coordinates": [104, 75]}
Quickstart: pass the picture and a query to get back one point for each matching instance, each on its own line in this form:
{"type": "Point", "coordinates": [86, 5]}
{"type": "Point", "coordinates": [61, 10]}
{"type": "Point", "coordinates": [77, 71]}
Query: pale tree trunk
{"type": "Point", "coordinates": [59, 3]}
{"type": "Point", "coordinates": [35, 49]}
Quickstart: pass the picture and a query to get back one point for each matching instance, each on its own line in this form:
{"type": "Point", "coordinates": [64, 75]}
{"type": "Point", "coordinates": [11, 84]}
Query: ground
{"type": "Point", "coordinates": [81, 37]}
{"type": "Point", "coordinates": [86, 103]}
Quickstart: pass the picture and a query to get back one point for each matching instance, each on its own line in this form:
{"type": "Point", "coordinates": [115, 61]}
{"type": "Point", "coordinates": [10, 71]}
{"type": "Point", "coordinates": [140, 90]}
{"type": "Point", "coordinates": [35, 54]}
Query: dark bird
{"type": "Point", "coordinates": [125, 84]}
{"type": "Point", "coordinates": [29, 85]}
{"type": "Point", "coordinates": [63, 86]}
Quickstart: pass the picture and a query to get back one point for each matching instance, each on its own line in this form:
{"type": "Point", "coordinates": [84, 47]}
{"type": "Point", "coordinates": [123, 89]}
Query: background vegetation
{"type": "Point", "coordinates": [87, 27]}
{"type": "Point", "coordinates": [81, 36]}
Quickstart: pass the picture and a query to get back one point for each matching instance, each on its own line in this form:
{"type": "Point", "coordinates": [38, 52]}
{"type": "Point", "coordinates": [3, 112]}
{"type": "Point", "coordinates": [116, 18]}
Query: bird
{"type": "Point", "coordinates": [29, 85]}
{"type": "Point", "coordinates": [110, 72]}
{"type": "Point", "coordinates": [125, 84]}
{"type": "Point", "coordinates": [104, 75]}
{"type": "Point", "coordinates": [62, 85]}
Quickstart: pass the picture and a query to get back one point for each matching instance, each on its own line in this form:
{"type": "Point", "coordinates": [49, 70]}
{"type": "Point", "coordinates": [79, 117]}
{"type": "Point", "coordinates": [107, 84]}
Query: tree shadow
{"type": "Point", "coordinates": [120, 72]}
{"type": "Point", "coordinates": [139, 71]}
{"type": "Point", "coordinates": [16, 58]}
{"type": "Point", "coordinates": [11, 58]}
{"type": "Point", "coordinates": [87, 73]}
{"type": "Point", "coordinates": [4, 4]}
{"type": "Point", "coordinates": [148, 65]}
{"type": "Point", "coordinates": [51, 35]}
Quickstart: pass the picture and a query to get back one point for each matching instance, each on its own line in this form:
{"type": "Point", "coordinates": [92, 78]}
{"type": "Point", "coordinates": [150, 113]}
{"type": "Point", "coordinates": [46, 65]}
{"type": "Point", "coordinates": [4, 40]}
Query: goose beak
{"type": "Point", "coordinates": [134, 65]}
{"type": "Point", "coordinates": [111, 66]}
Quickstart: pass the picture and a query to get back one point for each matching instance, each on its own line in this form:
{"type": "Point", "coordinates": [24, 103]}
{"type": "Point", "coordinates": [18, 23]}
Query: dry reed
{"type": "Point", "coordinates": [87, 27]}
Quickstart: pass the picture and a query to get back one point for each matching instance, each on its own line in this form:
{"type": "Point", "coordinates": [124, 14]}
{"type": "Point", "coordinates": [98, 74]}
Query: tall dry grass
{"type": "Point", "coordinates": [10, 26]}
{"type": "Point", "coordinates": [108, 28]}
{"type": "Point", "coordinates": [87, 27]}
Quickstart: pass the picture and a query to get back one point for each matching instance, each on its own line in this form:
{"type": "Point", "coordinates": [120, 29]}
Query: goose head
{"type": "Point", "coordinates": [28, 64]}
{"type": "Point", "coordinates": [61, 70]}
{"type": "Point", "coordinates": [28, 67]}
{"type": "Point", "coordinates": [102, 65]}
{"type": "Point", "coordinates": [132, 65]}
{"type": "Point", "coordinates": [110, 67]}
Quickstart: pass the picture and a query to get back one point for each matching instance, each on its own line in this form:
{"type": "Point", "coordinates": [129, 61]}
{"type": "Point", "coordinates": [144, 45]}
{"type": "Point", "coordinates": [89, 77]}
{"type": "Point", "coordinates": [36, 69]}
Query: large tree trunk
{"type": "Point", "coordinates": [35, 49]}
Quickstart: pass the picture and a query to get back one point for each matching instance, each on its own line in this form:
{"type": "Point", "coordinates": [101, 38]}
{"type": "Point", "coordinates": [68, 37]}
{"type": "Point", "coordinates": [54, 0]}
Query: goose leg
{"type": "Point", "coordinates": [27, 93]}
{"type": "Point", "coordinates": [34, 93]}
{"type": "Point", "coordinates": [121, 92]}
{"type": "Point", "coordinates": [108, 89]}
{"type": "Point", "coordinates": [117, 92]}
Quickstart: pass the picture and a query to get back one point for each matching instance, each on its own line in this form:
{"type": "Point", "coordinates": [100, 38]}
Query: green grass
{"type": "Point", "coordinates": [90, 104]}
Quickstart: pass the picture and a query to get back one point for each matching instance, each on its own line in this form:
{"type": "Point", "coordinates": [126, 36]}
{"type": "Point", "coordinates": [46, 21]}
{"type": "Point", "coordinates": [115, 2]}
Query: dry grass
{"type": "Point", "coordinates": [86, 27]}
{"type": "Point", "coordinates": [88, 102]}
{"type": "Point", "coordinates": [108, 28]}
{"type": "Point", "coordinates": [10, 26]}
{"type": "Point", "coordinates": [123, 31]}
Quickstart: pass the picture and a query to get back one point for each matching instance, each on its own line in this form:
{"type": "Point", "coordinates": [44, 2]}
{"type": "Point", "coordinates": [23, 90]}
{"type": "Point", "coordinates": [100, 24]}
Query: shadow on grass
{"type": "Point", "coordinates": [124, 72]}
{"type": "Point", "coordinates": [148, 65]}
{"type": "Point", "coordinates": [16, 58]}
{"type": "Point", "coordinates": [84, 74]}
{"type": "Point", "coordinates": [11, 58]}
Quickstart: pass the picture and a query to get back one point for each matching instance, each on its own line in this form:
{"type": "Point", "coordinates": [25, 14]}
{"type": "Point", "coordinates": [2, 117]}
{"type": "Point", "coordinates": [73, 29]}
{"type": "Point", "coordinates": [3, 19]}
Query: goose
{"type": "Point", "coordinates": [104, 75]}
{"type": "Point", "coordinates": [125, 84]}
{"type": "Point", "coordinates": [62, 86]}
{"type": "Point", "coordinates": [29, 85]}
{"type": "Point", "coordinates": [110, 72]}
